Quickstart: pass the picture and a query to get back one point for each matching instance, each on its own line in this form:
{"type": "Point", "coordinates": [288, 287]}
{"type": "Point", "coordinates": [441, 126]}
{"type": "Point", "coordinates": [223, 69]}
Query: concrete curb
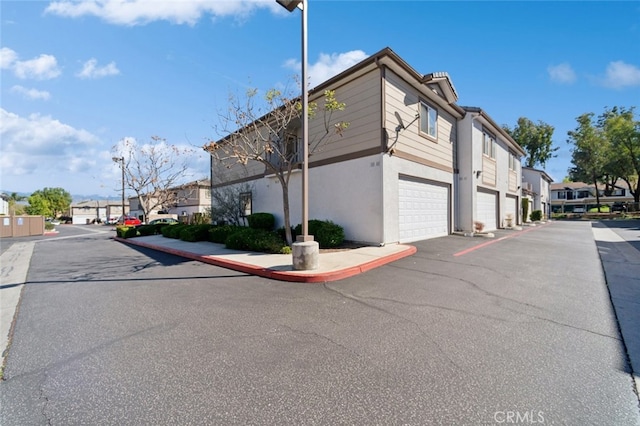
{"type": "Point", "coordinates": [290, 276]}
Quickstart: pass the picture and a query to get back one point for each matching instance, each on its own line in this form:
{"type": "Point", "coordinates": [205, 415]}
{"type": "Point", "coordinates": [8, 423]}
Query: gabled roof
{"type": "Point", "coordinates": [620, 184]}
{"type": "Point", "coordinates": [479, 112]}
{"type": "Point", "coordinates": [387, 57]}
{"type": "Point", "coordinates": [569, 185]}
{"type": "Point", "coordinates": [542, 173]}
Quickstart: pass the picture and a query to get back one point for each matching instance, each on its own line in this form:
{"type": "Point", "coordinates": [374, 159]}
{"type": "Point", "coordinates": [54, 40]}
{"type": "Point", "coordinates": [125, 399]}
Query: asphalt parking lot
{"type": "Point", "coordinates": [466, 331]}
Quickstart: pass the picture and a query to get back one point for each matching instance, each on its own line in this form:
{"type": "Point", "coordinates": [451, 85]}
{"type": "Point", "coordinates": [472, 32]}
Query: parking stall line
{"type": "Point", "coordinates": [488, 243]}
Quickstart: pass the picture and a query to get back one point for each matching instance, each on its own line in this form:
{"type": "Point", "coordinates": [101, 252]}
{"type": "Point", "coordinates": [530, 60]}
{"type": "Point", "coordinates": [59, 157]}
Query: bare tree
{"type": "Point", "coordinates": [153, 171]}
{"type": "Point", "coordinates": [269, 135]}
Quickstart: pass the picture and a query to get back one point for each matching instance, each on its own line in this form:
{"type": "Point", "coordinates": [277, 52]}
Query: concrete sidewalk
{"type": "Point", "coordinates": [333, 265]}
{"type": "Point", "coordinates": [621, 265]}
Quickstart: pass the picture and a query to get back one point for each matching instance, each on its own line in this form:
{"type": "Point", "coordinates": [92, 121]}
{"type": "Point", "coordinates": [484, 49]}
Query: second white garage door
{"type": "Point", "coordinates": [423, 210]}
{"type": "Point", "coordinates": [511, 208]}
{"type": "Point", "coordinates": [486, 208]}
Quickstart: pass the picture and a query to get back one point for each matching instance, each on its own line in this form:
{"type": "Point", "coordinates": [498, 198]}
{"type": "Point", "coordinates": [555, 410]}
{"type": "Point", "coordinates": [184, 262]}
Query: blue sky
{"type": "Point", "coordinates": [79, 76]}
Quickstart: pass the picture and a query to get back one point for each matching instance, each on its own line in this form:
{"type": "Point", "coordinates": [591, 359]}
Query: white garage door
{"type": "Point", "coordinates": [511, 208]}
{"type": "Point", "coordinates": [486, 210]}
{"type": "Point", "coordinates": [423, 210]}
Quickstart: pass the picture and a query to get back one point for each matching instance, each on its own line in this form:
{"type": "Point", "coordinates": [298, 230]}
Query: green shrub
{"type": "Point", "coordinates": [258, 240]}
{"type": "Point", "coordinates": [219, 234]}
{"type": "Point", "coordinates": [264, 221]}
{"type": "Point", "coordinates": [126, 231]}
{"type": "Point", "coordinates": [281, 232]}
{"type": "Point", "coordinates": [536, 215]}
{"type": "Point", "coordinates": [48, 226]}
{"type": "Point", "coordinates": [194, 233]}
{"type": "Point", "coordinates": [325, 232]}
{"type": "Point", "coordinates": [172, 231]}
{"type": "Point", "coordinates": [144, 230]}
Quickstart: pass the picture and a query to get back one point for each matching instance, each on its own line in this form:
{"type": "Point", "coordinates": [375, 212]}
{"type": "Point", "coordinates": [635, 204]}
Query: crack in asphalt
{"type": "Point", "coordinates": [415, 324]}
{"type": "Point", "coordinates": [44, 397]}
{"type": "Point", "coordinates": [500, 297]}
{"type": "Point", "coordinates": [313, 333]}
{"type": "Point", "coordinates": [472, 284]}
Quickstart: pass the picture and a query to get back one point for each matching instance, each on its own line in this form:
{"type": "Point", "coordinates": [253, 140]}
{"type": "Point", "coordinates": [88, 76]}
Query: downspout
{"type": "Point", "coordinates": [211, 186]}
{"type": "Point", "coordinates": [383, 143]}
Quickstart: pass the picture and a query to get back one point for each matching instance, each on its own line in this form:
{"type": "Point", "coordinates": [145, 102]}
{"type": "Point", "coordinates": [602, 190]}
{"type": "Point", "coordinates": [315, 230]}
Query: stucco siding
{"type": "Point", "coordinates": [356, 206]}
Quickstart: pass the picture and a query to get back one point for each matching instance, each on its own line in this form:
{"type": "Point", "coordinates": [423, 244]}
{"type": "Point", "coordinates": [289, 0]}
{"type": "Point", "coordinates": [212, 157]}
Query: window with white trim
{"type": "Point", "coordinates": [428, 120]}
{"type": "Point", "coordinates": [488, 144]}
{"type": "Point", "coordinates": [513, 161]}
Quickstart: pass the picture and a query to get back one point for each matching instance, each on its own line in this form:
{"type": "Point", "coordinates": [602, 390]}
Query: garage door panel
{"type": "Point", "coordinates": [423, 210]}
{"type": "Point", "coordinates": [511, 208]}
{"type": "Point", "coordinates": [486, 210]}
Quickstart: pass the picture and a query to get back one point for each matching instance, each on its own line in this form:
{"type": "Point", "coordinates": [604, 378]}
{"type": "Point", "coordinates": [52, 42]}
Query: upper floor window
{"type": "Point", "coordinates": [488, 144]}
{"type": "Point", "coordinates": [428, 120]}
{"type": "Point", "coordinates": [285, 150]}
{"type": "Point", "coordinates": [560, 195]}
{"type": "Point", "coordinates": [513, 160]}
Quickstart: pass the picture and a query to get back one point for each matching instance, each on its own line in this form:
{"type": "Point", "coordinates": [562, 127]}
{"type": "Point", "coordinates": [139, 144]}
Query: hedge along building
{"type": "Point", "coordinates": [392, 176]}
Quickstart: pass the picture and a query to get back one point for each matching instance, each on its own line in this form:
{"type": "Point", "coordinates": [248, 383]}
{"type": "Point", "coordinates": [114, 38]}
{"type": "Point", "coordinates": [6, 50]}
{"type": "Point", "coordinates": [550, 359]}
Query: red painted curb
{"type": "Point", "coordinates": [289, 276]}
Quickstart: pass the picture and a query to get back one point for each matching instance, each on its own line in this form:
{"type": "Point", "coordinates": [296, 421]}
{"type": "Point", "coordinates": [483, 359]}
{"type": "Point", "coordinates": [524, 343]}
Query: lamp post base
{"type": "Point", "coordinates": [306, 255]}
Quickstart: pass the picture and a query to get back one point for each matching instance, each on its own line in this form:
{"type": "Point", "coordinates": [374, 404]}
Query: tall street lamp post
{"type": "Point", "coordinates": [121, 161]}
{"type": "Point", "coordinates": [305, 249]}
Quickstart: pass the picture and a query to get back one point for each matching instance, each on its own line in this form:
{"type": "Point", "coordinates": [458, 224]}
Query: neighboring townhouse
{"type": "Point", "coordinates": [87, 212]}
{"type": "Point", "coordinates": [114, 210]}
{"type": "Point", "coordinates": [412, 165]}
{"type": "Point", "coordinates": [536, 183]}
{"type": "Point", "coordinates": [390, 178]}
{"type": "Point", "coordinates": [489, 179]}
{"type": "Point", "coordinates": [186, 201]}
{"type": "Point", "coordinates": [579, 197]}
{"type": "Point", "coordinates": [192, 198]}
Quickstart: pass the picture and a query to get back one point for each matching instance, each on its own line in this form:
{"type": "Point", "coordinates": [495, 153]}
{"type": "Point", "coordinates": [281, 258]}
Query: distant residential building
{"type": "Point", "coordinates": [4, 207]}
{"type": "Point", "coordinates": [95, 211]}
{"type": "Point", "coordinates": [579, 197]}
{"type": "Point", "coordinates": [536, 185]}
{"type": "Point", "coordinates": [187, 200]}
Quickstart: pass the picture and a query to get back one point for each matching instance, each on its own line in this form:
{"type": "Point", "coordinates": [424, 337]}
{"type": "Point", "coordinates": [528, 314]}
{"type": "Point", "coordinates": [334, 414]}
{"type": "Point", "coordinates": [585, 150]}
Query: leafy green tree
{"type": "Point", "coordinates": [535, 139]}
{"type": "Point", "coordinates": [58, 200]}
{"type": "Point", "coordinates": [39, 205]}
{"type": "Point", "coordinates": [622, 131]}
{"type": "Point", "coordinates": [265, 132]}
{"type": "Point", "coordinates": [589, 154]}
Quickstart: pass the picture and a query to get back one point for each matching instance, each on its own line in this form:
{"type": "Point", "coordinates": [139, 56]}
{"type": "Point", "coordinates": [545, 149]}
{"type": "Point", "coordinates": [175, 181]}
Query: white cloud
{"type": "Point", "coordinates": [328, 65]}
{"type": "Point", "coordinates": [44, 67]}
{"type": "Point", "coordinates": [140, 12]}
{"type": "Point", "coordinates": [31, 93]}
{"type": "Point", "coordinates": [91, 70]}
{"type": "Point", "coordinates": [620, 75]}
{"type": "Point", "coordinates": [7, 58]}
{"type": "Point", "coordinates": [41, 145]}
{"type": "Point", "coordinates": [562, 73]}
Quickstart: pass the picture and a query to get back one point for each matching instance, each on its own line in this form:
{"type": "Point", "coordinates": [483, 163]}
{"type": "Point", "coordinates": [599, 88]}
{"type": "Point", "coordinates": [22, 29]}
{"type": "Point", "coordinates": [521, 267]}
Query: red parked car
{"type": "Point", "coordinates": [129, 221]}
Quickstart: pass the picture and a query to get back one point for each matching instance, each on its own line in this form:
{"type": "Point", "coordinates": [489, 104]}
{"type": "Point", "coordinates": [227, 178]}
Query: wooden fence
{"type": "Point", "coordinates": [21, 226]}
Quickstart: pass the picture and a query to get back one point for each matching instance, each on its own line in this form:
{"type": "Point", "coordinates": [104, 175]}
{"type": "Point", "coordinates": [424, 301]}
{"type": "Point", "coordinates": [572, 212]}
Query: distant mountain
{"type": "Point", "coordinates": [74, 197]}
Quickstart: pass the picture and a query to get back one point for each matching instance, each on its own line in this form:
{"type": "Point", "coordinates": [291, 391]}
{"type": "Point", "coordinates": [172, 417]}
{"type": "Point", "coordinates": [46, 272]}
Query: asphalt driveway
{"type": "Point", "coordinates": [467, 331]}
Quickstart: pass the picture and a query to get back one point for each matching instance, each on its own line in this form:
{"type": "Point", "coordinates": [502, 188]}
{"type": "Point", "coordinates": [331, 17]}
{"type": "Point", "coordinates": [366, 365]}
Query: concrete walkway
{"type": "Point", "coordinates": [621, 264]}
{"type": "Point", "coordinates": [333, 265]}
{"type": "Point", "coordinates": [14, 264]}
